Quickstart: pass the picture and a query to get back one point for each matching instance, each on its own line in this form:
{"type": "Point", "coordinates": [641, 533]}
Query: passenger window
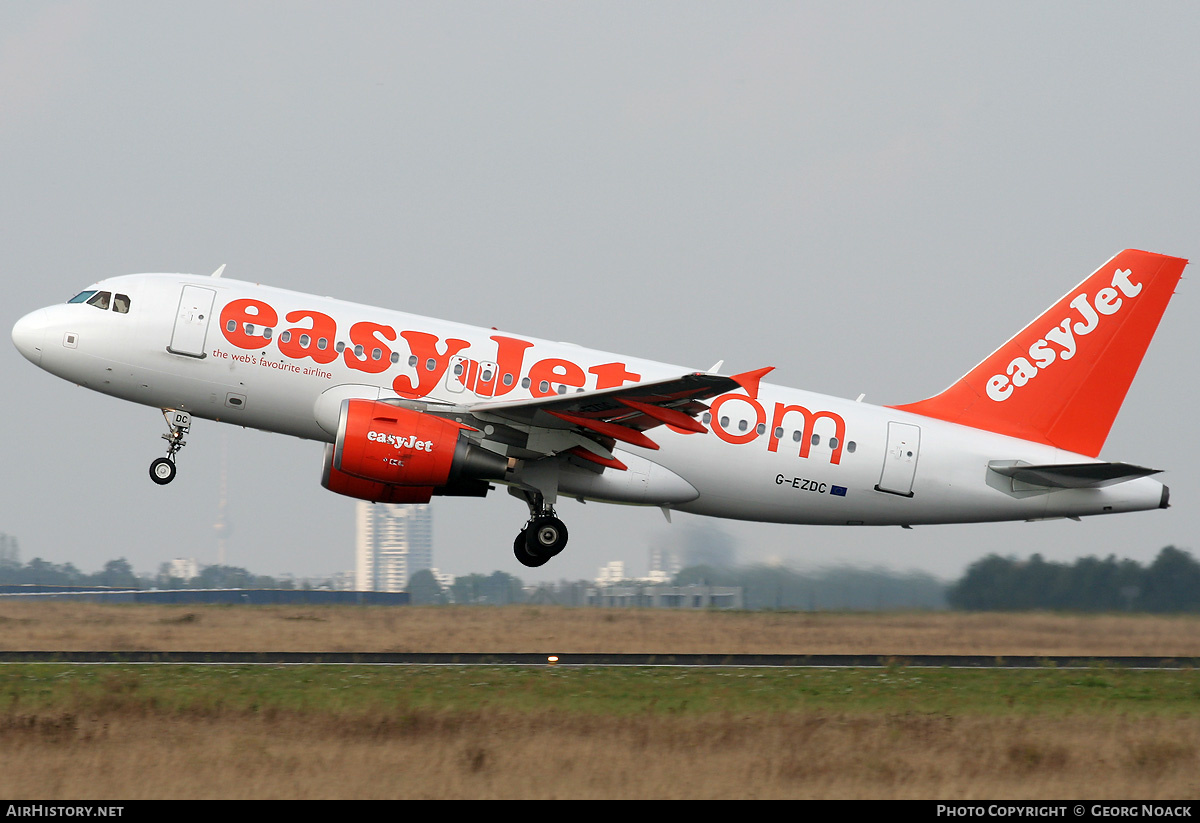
{"type": "Point", "coordinates": [322, 343]}
{"type": "Point", "coordinates": [100, 300]}
{"type": "Point", "coordinates": [121, 303]}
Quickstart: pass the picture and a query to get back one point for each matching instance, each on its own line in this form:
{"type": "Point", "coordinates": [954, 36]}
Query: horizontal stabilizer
{"type": "Point", "coordinates": [1070, 475]}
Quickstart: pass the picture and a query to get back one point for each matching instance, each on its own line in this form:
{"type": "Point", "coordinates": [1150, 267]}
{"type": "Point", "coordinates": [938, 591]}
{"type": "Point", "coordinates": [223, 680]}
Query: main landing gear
{"type": "Point", "coordinates": [543, 536]}
{"type": "Point", "coordinates": [162, 470]}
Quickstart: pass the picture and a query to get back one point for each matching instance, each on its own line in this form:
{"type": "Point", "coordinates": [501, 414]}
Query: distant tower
{"type": "Point", "coordinates": [394, 541]}
{"type": "Point", "coordinates": [222, 527]}
{"type": "Point", "coordinates": [10, 555]}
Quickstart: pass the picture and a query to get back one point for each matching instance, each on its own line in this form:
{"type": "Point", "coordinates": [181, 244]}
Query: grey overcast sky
{"type": "Point", "coordinates": [868, 196]}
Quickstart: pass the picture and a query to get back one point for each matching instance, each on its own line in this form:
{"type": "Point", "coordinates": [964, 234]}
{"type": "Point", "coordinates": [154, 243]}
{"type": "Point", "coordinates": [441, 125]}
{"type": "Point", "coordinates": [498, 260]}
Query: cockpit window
{"type": "Point", "coordinates": [103, 300]}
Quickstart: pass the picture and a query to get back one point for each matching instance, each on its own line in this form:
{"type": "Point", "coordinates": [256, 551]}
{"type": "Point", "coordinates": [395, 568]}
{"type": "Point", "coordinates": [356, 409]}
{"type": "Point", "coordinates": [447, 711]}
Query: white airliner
{"type": "Point", "coordinates": [412, 407]}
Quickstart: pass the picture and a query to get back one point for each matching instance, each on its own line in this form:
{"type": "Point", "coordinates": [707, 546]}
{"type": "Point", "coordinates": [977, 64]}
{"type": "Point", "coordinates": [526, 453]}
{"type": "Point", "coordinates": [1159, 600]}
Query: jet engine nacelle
{"type": "Point", "coordinates": [390, 454]}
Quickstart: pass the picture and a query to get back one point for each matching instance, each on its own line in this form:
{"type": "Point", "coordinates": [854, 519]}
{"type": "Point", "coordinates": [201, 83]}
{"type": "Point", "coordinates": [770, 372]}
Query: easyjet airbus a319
{"type": "Point", "coordinates": [411, 407]}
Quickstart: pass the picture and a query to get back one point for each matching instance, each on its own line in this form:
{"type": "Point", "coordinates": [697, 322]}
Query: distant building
{"type": "Point", "coordinates": [636, 595]}
{"type": "Point", "coordinates": [343, 581]}
{"type": "Point", "coordinates": [394, 542]}
{"type": "Point", "coordinates": [10, 554]}
{"type": "Point", "coordinates": [665, 563]}
{"type": "Point", "coordinates": [183, 568]}
{"type": "Point", "coordinates": [444, 579]}
{"type": "Point", "coordinates": [611, 572]}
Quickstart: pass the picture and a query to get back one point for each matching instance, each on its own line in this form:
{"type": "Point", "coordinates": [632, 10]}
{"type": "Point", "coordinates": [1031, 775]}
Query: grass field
{"type": "Point", "coordinates": [126, 732]}
{"type": "Point", "coordinates": [66, 626]}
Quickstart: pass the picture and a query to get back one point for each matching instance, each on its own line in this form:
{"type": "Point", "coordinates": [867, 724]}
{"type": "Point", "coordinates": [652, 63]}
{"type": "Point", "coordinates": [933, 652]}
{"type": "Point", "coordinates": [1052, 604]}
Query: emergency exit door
{"type": "Point", "coordinates": [900, 460]}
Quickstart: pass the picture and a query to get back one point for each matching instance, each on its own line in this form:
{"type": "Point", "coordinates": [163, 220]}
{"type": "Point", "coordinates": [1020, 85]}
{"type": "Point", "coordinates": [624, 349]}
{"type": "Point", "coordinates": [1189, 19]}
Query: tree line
{"type": "Point", "coordinates": [1170, 583]}
{"type": "Point", "coordinates": [119, 574]}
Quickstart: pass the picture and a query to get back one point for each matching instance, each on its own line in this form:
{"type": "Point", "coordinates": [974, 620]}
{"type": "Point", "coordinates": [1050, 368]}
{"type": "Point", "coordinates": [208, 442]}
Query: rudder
{"type": "Point", "coordinates": [1062, 379]}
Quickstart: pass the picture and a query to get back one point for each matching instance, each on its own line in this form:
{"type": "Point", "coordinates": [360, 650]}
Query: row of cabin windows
{"type": "Point", "coordinates": [377, 354]}
{"type": "Point", "coordinates": [485, 376]}
{"type": "Point", "coordinates": [507, 379]}
{"type": "Point", "coordinates": [103, 300]}
{"type": "Point", "coordinates": [322, 343]}
{"type": "Point", "coordinates": [761, 428]}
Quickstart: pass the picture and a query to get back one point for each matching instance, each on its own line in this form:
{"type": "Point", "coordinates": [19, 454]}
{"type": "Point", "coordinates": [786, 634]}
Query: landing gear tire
{"type": "Point", "coordinates": [546, 536]}
{"type": "Point", "coordinates": [523, 555]}
{"type": "Point", "coordinates": [162, 471]}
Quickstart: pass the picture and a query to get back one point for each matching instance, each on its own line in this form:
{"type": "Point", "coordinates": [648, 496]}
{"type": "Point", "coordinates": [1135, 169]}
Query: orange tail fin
{"type": "Point", "coordinates": [1062, 378]}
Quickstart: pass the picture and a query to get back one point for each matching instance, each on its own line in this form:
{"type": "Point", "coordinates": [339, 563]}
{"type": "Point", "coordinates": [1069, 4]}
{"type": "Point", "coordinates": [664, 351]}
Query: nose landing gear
{"type": "Point", "coordinates": [162, 470]}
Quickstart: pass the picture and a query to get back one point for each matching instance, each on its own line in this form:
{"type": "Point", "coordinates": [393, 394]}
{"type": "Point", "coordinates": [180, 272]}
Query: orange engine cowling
{"type": "Point", "coordinates": [390, 454]}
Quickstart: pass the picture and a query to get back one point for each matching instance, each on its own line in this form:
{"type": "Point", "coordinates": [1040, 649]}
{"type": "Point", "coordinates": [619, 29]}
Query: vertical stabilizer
{"type": "Point", "coordinates": [1062, 379]}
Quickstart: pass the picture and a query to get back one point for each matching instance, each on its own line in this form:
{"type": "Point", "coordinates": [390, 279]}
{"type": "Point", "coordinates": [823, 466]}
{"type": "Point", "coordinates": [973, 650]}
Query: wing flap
{"type": "Point", "coordinates": [622, 413]}
{"type": "Point", "coordinates": [616, 431]}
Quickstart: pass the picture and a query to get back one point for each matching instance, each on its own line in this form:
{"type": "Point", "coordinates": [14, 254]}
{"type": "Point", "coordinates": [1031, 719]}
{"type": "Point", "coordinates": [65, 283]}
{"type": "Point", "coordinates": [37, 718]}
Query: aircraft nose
{"type": "Point", "coordinates": [28, 335]}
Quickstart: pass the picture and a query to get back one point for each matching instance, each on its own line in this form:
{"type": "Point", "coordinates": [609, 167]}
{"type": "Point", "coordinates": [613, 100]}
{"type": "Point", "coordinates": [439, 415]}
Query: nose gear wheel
{"type": "Point", "coordinates": [162, 470]}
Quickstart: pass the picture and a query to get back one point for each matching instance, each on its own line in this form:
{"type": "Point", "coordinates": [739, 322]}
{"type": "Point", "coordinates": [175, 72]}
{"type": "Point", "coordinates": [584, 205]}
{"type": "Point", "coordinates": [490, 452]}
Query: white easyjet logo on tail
{"type": "Point", "coordinates": [1065, 335]}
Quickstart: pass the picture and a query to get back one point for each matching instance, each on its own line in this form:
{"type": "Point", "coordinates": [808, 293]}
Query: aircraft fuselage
{"type": "Point", "coordinates": [285, 362]}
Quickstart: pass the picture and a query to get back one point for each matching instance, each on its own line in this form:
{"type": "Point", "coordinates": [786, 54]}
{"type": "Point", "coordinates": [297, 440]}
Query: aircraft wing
{"type": "Point", "coordinates": [587, 423]}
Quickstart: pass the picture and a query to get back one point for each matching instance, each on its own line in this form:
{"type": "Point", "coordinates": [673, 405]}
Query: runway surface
{"type": "Point", "coordinates": [549, 658]}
